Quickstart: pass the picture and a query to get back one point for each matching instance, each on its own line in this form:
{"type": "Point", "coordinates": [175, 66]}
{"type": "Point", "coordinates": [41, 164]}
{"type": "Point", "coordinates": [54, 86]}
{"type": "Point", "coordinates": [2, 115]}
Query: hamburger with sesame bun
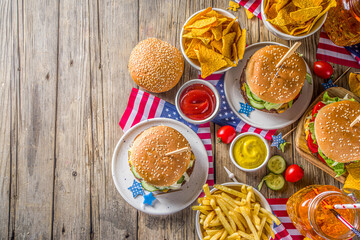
{"type": "Point", "coordinates": [329, 135]}
{"type": "Point", "coordinates": [262, 90]}
{"type": "Point", "coordinates": [156, 65]}
{"type": "Point", "coordinates": [152, 168]}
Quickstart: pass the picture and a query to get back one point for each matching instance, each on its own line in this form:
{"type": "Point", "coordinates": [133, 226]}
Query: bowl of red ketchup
{"type": "Point", "coordinates": [197, 101]}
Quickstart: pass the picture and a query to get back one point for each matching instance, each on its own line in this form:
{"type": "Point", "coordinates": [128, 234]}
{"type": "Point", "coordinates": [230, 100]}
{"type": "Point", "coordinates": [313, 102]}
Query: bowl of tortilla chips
{"type": "Point", "coordinates": [295, 19]}
{"type": "Point", "coordinates": [212, 41]}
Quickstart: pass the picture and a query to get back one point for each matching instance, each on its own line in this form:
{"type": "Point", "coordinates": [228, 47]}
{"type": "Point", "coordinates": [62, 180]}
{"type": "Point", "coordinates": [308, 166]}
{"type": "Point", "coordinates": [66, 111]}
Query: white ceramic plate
{"type": "Point", "coordinates": [167, 203]}
{"type": "Point", "coordinates": [258, 118]}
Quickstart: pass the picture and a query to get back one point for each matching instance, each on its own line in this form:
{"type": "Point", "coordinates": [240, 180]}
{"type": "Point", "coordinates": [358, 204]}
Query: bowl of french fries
{"type": "Point", "coordinates": [234, 211]}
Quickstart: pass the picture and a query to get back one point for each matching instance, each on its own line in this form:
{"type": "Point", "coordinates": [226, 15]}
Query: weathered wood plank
{"type": "Point", "coordinates": [74, 147]}
{"type": "Point", "coordinates": [35, 116]}
{"type": "Point", "coordinates": [114, 31]}
{"type": "Point", "coordinates": [8, 78]}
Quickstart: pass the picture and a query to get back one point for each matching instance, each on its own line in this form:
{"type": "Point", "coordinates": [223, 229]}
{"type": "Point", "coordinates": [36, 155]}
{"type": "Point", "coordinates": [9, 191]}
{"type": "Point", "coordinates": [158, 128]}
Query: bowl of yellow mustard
{"type": "Point", "coordinates": [249, 152]}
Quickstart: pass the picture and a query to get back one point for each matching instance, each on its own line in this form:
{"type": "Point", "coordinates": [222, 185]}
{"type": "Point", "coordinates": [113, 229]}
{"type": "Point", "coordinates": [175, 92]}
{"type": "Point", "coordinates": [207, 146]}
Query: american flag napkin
{"type": "Point", "coordinates": [142, 106]}
{"type": "Point", "coordinates": [328, 51]}
{"type": "Point", "coordinates": [253, 6]}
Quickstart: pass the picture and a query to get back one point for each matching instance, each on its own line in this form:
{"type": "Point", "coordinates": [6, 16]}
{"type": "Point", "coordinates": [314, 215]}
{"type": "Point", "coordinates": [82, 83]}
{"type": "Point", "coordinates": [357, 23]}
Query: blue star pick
{"type": "Point", "coordinates": [136, 189]}
{"type": "Point", "coordinates": [246, 109]}
{"type": "Point", "coordinates": [277, 140]}
{"type": "Point", "coordinates": [149, 199]}
{"type": "Point", "coordinates": [329, 84]}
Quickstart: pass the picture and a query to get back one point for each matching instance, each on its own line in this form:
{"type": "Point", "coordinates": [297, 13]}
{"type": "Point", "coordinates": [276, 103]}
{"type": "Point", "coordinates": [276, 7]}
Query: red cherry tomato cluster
{"type": "Point", "coordinates": [226, 134]}
{"type": "Point", "coordinates": [323, 69]}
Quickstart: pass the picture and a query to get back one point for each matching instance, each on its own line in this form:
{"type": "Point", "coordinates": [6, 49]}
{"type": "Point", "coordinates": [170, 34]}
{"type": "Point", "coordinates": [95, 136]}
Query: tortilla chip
{"type": "Point", "coordinates": [233, 6]}
{"type": "Point", "coordinates": [271, 13]}
{"type": "Point", "coordinates": [200, 31]}
{"type": "Point", "coordinates": [206, 38]}
{"type": "Point", "coordinates": [307, 3]}
{"type": "Point", "coordinates": [229, 62]}
{"type": "Point", "coordinates": [217, 32]}
{"type": "Point", "coordinates": [354, 83]}
{"type": "Point", "coordinates": [234, 56]}
{"type": "Point", "coordinates": [281, 4]}
{"type": "Point", "coordinates": [210, 61]}
{"type": "Point", "coordinates": [331, 3]}
{"type": "Point", "coordinates": [201, 23]}
{"type": "Point", "coordinates": [190, 51]}
{"type": "Point", "coordinates": [227, 42]}
{"type": "Point", "coordinates": [305, 14]}
{"type": "Point", "coordinates": [217, 45]}
{"type": "Point", "coordinates": [249, 14]}
{"type": "Point", "coordinates": [228, 27]}
{"type": "Point", "coordinates": [236, 28]}
{"type": "Point", "coordinates": [351, 184]}
{"type": "Point", "coordinates": [198, 16]}
{"type": "Point", "coordinates": [240, 45]}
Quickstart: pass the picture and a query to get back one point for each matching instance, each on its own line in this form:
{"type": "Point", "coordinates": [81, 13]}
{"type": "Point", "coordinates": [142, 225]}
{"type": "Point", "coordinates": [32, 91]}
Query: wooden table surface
{"type": "Point", "coordinates": [64, 87]}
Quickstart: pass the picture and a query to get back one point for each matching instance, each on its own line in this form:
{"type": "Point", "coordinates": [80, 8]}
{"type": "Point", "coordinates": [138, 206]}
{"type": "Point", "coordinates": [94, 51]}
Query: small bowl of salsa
{"type": "Point", "coordinates": [249, 152]}
{"type": "Point", "coordinates": [197, 101]}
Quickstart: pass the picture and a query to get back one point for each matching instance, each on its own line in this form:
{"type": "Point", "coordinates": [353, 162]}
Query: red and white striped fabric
{"type": "Point", "coordinates": [330, 52]}
{"type": "Point", "coordinates": [253, 6]}
{"type": "Point", "coordinates": [142, 106]}
{"type": "Point", "coordinates": [286, 230]}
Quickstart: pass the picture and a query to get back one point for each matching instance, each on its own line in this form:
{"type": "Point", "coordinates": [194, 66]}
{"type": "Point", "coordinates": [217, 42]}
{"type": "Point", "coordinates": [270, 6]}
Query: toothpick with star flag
{"type": "Point", "coordinates": [246, 109]}
{"type": "Point", "coordinates": [330, 83]}
{"type": "Point", "coordinates": [279, 141]}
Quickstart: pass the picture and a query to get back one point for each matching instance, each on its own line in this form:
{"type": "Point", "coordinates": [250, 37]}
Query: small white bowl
{"type": "Point", "coordinates": [263, 202]}
{"type": "Point", "coordinates": [193, 64]}
{"type": "Point", "coordinates": [243, 135]}
{"type": "Point", "coordinates": [209, 85]}
{"type": "Point", "coordinates": [286, 36]}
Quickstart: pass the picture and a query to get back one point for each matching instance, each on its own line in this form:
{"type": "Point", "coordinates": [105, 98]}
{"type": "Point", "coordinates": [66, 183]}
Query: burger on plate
{"type": "Point", "coordinates": [266, 91]}
{"type": "Point", "coordinates": [329, 135]}
{"type": "Point", "coordinates": [150, 165]}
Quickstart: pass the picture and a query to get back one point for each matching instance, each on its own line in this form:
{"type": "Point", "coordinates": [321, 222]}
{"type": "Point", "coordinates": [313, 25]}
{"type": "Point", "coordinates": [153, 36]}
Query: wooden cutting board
{"type": "Point", "coordinates": [300, 141]}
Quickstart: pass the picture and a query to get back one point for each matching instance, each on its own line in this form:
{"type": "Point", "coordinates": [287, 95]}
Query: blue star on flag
{"type": "Point", "coordinates": [136, 189]}
{"type": "Point", "coordinates": [149, 199]}
{"type": "Point", "coordinates": [329, 84]}
{"type": "Point", "coordinates": [277, 140]}
{"type": "Point", "coordinates": [246, 109]}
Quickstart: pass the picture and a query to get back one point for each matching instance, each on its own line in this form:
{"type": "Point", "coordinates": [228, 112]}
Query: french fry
{"type": "Point", "coordinates": [244, 212]}
{"type": "Point", "coordinates": [233, 236]}
{"type": "Point", "coordinates": [245, 235]}
{"type": "Point", "coordinates": [200, 199]}
{"type": "Point", "coordinates": [262, 224]}
{"type": "Point", "coordinates": [201, 221]}
{"type": "Point", "coordinates": [256, 208]}
{"type": "Point", "coordinates": [264, 237]}
{"type": "Point", "coordinates": [230, 200]}
{"type": "Point", "coordinates": [251, 189]}
{"type": "Point", "coordinates": [217, 235]}
{"type": "Point", "coordinates": [268, 219]}
{"type": "Point", "coordinates": [206, 202]}
{"type": "Point", "coordinates": [242, 219]}
{"type": "Point", "coordinates": [208, 208]}
{"type": "Point", "coordinates": [248, 199]}
{"type": "Point", "coordinates": [213, 232]}
{"type": "Point", "coordinates": [204, 212]}
{"type": "Point", "coordinates": [213, 203]}
{"type": "Point", "coordinates": [202, 216]}
{"type": "Point", "coordinates": [224, 235]}
{"type": "Point", "coordinates": [207, 190]}
{"type": "Point", "coordinates": [269, 230]}
{"type": "Point", "coordinates": [229, 190]}
{"type": "Point", "coordinates": [226, 212]}
{"type": "Point", "coordinates": [223, 220]}
{"type": "Point", "coordinates": [275, 219]}
{"type": "Point", "coordinates": [237, 221]}
{"type": "Point", "coordinates": [208, 219]}
{"type": "Point", "coordinates": [206, 238]}
{"type": "Point", "coordinates": [243, 189]}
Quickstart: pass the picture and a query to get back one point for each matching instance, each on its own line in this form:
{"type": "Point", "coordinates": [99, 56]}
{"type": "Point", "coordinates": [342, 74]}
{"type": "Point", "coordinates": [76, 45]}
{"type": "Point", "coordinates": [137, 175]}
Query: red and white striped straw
{"type": "Point", "coordinates": [344, 206]}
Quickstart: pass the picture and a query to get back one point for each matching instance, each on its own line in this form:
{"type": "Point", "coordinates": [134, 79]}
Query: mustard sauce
{"type": "Point", "coordinates": [249, 152]}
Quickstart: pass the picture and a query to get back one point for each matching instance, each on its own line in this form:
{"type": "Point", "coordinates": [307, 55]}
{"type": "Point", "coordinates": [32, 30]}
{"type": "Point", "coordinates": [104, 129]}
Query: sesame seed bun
{"type": "Point", "coordinates": [149, 160]}
{"type": "Point", "coordinates": [260, 72]}
{"type": "Point", "coordinates": [156, 65]}
{"type": "Point", "coordinates": [336, 139]}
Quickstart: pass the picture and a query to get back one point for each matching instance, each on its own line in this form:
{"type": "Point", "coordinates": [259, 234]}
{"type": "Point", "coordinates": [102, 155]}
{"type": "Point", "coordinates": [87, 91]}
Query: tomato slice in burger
{"type": "Point", "coordinates": [316, 109]}
{"type": "Point", "coordinates": [312, 146]}
{"type": "Point", "coordinates": [320, 157]}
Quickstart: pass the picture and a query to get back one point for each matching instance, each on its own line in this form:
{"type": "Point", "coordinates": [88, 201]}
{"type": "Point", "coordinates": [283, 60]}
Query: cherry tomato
{"type": "Point", "coordinates": [226, 134]}
{"type": "Point", "coordinates": [320, 157]}
{"type": "Point", "coordinates": [294, 173]}
{"type": "Point", "coordinates": [316, 109]}
{"type": "Point", "coordinates": [323, 69]}
{"type": "Point", "coordinates": [312, 146]}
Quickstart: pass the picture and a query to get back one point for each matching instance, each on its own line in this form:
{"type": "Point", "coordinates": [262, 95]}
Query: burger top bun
{"type": "Point", "coordinates": [156, 65]}
{"type": "Point", "coordinates": [148, 155]}
{"type": "Point", "coordinates": [261, 70]}
{"type": "Point", "coordinates": [336, 139]}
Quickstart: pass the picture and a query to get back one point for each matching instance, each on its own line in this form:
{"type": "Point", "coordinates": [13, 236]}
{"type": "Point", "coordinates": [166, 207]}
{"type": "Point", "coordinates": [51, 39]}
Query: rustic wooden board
{"type": "Point", "coordinates": [300, 141]}
{"type": "Point", "coordinates": [73, 126]}
{"type": "Point", "coordinates": [36, 116]}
